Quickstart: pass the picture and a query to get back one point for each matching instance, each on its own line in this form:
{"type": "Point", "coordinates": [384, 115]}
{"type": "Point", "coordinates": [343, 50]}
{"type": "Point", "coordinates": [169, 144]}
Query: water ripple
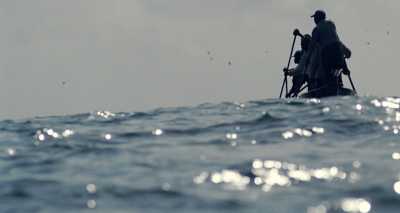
{"type": "Point", "coordinates": [317, 155]}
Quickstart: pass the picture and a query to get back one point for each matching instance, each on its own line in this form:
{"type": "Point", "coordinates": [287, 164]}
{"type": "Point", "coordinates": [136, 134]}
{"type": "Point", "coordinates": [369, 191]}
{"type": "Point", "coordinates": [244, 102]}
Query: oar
{"type": "Point", "coordinates": [283, 84]}
{"type": "Point", "coordinates": [352, 85]}
{"type": "Point", "coordinates": [295, 33]}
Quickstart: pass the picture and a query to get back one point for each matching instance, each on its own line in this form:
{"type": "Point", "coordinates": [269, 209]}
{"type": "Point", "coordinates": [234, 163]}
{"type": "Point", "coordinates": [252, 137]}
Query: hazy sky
{"type": "Point", "coordinates": [63, 57]}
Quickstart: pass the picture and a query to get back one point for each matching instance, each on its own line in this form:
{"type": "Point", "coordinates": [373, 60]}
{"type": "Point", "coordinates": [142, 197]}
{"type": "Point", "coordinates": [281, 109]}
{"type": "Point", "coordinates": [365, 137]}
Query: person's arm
{"type": "Point", "coordinates": [346, 51]}
{"type": "Point", "coordinates": [289, 72]}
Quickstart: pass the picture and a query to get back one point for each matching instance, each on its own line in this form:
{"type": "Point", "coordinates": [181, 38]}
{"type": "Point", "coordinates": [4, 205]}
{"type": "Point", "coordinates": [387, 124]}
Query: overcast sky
{"type": "Point", "coordinates": [74, 56]}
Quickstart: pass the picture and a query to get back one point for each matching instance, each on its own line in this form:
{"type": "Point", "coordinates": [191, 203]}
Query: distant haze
{"type": "Point", "coordinates": [66, 57]}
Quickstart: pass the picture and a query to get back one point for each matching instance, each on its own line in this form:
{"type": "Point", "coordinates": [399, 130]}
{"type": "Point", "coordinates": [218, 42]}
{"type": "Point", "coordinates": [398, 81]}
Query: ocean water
{"type": "Point", "coordinates": [330, 155]}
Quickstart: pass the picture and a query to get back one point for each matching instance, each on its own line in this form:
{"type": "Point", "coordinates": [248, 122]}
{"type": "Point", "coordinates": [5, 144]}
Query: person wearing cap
{"type": "Point", "coordinates": [299, 72]}
{"type": "Point", "coordinates": [331, 50]}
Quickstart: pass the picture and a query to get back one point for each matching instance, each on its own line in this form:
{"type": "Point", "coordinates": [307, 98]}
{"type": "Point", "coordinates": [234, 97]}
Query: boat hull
{"type": "Point", "coordinates": [322, 94]}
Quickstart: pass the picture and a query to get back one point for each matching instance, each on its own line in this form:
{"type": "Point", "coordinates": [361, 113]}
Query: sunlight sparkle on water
{"type": "Point", "coordinates": [396, 156]}
{"type": "Point", "coordinates": [67, 133]}
{"type": "Point", "coordinates": [51, 133]}
{"type": "Point", "coordinates": [386, 128]}
{"type": "Point", "coordinates": [41, 137]}
{"type": "Point", "coordinates": [257, 164]}
{"type": "Point", "coordinates": [272, 164]}
{"type": "Point", "coordinates": [258, 181]}
{"type": "Point", "coordinates": [157, 132]}
{"type": "Point", "coordinates": [376, 103]}
{"type": "Point", "coordinates": [91, 188]}
{"type": "Point", "coordinates": [300, 175]}
{"type": "Point", "coordinates": [397, 116]}
{"type": "Point", "coordinates": [231, 178]}
{"type": "Point", "coordinates": [355, 205]}
{"type": "Point", "coordinates": [231, 136]}
{"type": "Point", "coordinates": [391, 105]}
{"type": "Point", "coordinates": [354, 177]}
{"type": "Point", "coordinates": [48, 133]}
{"type": "Point", "coordinates": [326, 109]}
{"type": "Point", "coordinates": [105, 114]}
{"type": "Point", "coordinates": [107, 136]}
{"type": "Point", "coordinates": [239, 106]}
{"type": "Point", "coordinates": [396, 187]}
{"type": "Point", "coordinates": [11, 151]}
{"type": "Point", "coordinates": [356, 164]}
{"type": "Point", "coordinates": [269, 173]}
{"type": "Point", "coordinates": [200, 178]}
{"type": "Point", "coordinates": [91, 204]}
{"type": "Point", "coordinates": [287, 135]}
{"type": "Point", "coordinates": [313, 101]}
{"type": "Point", "coordinates": [274, 177]}
{"type": "Point", "coordinates": [302, 132]}
{"type": "Point", "coordinates": [394, 100]}
{"type": "Point", "coordinates": [318, 130]}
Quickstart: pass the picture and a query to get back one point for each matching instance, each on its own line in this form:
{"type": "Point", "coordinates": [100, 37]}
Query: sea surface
{"type": "Point", "coordinates": [315, 156]}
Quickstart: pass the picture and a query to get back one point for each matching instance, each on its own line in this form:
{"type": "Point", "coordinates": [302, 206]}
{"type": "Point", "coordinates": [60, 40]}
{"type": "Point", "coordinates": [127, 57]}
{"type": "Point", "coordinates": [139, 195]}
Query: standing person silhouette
{"type": "Point", "coordinates": [332, 52]}
{"type": "Point", "coordinates": [299, 72]}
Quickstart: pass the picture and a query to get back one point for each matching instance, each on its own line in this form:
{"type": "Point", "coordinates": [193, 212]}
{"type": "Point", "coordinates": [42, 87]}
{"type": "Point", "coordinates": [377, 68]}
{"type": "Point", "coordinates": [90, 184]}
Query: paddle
{"type": "Point", "coordinates": [348, 75]}
{"type": "Point", "coordinates": [352, 85]}
{"type": "Point", "coordinates": [296, 32]}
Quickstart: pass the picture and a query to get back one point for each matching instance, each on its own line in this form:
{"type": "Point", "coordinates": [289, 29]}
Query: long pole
{"type": "Point", "coordinates": [287, 67]}
{"type": "Point", "coordinates": [351, 82]}
{"type": "Point", "coordinates": [283, 84]}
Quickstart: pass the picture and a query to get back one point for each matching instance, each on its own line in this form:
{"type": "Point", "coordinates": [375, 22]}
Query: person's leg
{"type": "Point", "coordinates": [336, 62]}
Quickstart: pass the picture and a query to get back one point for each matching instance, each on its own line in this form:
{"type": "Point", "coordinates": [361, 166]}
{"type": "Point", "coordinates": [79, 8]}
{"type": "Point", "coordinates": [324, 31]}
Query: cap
{"type": "Point", "coordinates": [319, 13]}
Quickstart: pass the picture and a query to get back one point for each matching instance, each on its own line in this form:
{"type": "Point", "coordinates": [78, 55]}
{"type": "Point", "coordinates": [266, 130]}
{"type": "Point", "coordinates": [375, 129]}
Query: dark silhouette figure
{"type": "Point", "coordinates": [332, 52]}
{"type": "Point", "coordinates": [299, 72]}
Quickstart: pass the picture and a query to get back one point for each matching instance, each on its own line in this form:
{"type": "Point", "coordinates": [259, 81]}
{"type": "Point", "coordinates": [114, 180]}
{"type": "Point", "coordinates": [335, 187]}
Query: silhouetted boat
{"type": "Point", "coordinates": [323, 93]}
